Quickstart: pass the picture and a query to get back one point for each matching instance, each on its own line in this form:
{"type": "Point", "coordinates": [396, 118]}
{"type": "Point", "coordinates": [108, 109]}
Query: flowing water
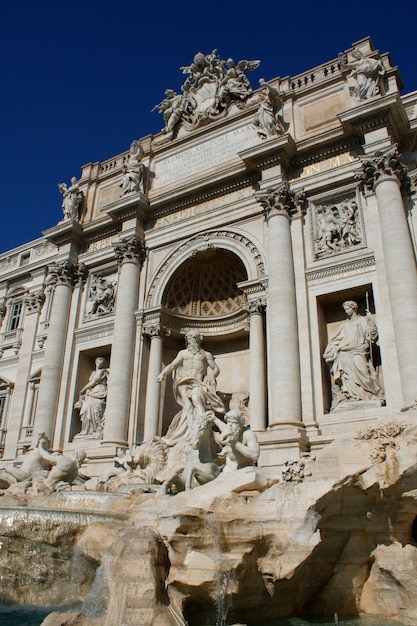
{"type": "Point", "coordinates": [30, 616]}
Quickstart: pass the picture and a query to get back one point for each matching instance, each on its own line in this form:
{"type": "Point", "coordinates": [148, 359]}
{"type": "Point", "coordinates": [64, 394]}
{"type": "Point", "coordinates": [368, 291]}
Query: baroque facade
{"type": "Point", "coordinates": [277, 221]}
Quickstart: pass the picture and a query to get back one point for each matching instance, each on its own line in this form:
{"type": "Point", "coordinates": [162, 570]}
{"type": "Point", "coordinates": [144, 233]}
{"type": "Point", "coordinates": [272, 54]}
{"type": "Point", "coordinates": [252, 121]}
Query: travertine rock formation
{"type": "Point", "coordinates": [256, 547]}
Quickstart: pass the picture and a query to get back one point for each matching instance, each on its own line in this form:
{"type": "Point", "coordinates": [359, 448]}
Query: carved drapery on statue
{"type": "Point", "coordinates": [348, 355]}
{"type": "Point", "coordinates": [133, 171]}
{"type": "Point", "coordinates": [195, 372]}
{"type": "Point", "coordinates": [268, 122]}
{"type": "Point", "coordinates": [211, 87]}
{"type": "Point", "coordinates": [72, 200]}
{"type": "Point", "coordinates": [367, 72]}
{"type": "Point", "coordinates": [92, 402]}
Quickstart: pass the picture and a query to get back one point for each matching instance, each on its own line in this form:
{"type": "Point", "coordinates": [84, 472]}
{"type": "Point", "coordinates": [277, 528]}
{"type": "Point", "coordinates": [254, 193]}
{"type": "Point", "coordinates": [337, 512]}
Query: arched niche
{"type": "Point", "coordinates": [201, 288]}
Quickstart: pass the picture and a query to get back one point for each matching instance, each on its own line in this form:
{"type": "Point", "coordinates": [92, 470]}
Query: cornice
{"type": "Point", "coordinates": [199, 193]}
{"type": "Point", "coordinates": [376, 112]}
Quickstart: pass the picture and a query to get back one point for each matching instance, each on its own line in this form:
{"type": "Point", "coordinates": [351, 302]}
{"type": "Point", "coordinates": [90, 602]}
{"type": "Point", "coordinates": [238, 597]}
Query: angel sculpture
{"type": "Point", "coordinates": [235, 84]}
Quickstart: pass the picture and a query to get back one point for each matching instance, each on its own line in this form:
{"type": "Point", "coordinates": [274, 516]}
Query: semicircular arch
{"type": "Point", "coordinates": [238, 243]}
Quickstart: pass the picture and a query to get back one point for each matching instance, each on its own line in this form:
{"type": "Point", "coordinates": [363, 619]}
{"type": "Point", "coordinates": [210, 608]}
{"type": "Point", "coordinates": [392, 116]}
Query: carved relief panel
{"type": "Point", "coordinates": [336, 225]}
{"type": "Point", "coordinates": [101, 296]}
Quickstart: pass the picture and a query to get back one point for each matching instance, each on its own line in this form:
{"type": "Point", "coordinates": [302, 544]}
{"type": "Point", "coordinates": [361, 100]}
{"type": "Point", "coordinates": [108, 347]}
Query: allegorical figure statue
{"type": "Point", "coordinates": [92, 401]}
{"type": "Point", "coordinates": [72, 198]}
{"type": "Point", "coordinates": [240, 444]}
{"type": "Point", "coordinates": [195, 373]}
{"type": "Point", "coordinates": [348, 355]}
{"type": "Point", "coordinates": [267, 121]}
{"type": "Point", "coordinates": [368, 74]}
{"type": "Point", "coordinates": [133, 170]}
{"type": "Point", "coordinates": [172, 108]}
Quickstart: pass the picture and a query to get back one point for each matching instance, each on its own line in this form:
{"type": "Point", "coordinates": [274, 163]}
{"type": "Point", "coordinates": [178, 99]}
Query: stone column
{"type": "Point", "coordinates": [257, 380]}
{"type": "Point", "coordinates": [387, 177]}
{"type": "Point", "coordinates": [130, 255]}
{"type": "Point", "coordinates": [63, 276]}
{"type": "Point", "coordinates": [282, 327]}
{"type": "Point", "coordinates": [153, 388]}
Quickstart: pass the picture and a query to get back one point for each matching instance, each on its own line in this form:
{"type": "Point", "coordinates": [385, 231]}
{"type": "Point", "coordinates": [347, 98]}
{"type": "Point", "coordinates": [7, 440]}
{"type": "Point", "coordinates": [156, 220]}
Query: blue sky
{"type": "Point", "coordinates": [79, 79]}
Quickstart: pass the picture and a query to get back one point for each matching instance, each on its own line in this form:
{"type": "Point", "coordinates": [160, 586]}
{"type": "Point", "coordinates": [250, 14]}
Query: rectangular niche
{"type": "Point", "coordinates": [331, 320]}
{"type": "Point", "coordinates": [86, 366]}
{"type": "Point", "coordinates": [337, 225]}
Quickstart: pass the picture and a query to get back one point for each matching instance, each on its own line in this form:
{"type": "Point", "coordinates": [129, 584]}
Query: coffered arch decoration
{"type": "Point", "coordinates": [202, 260]}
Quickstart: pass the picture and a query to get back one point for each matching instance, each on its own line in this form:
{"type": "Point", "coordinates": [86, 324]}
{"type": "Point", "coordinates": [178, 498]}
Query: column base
{"type": "Point", "coordinates": [285, 442]}
{"type": "Point", "coordinates": [114, 442]}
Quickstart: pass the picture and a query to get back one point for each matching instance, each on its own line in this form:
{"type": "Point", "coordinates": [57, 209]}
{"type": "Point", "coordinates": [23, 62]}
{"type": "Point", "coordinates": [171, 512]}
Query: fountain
{"type": "Point", "coordinates": [213, 539]}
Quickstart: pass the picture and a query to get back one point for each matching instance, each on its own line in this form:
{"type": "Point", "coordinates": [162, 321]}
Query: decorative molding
{"type": "Point", "coordinates": [198, 243]}
{"type": "Point", "coordinates": [281, 201]}
{"type": "Point", "coordinates": [66, 273]}
{"type": "Point", "coordinates": [341, 269]}
{"type": "Point", "coordinates": [384, 165]}
{"type": "Point", "coordinates": [130, 250]}
{"type": "Point", "coordinates": [34, 301]}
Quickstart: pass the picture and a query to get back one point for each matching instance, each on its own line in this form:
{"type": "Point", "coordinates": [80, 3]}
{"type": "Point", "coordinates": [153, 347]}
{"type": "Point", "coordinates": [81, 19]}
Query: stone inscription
{"type": "Point", "coordinates": [328, 164]}
{"type": "Point", "coordinates": [196, 210]}
{"type": "Point", "coordinates": [204, 156]}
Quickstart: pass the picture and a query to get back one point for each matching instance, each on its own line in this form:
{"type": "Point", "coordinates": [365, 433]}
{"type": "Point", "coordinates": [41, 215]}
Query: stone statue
{"type": "Point", "coordinates": [33, 469]}
{"type": "Point", "coordinates": [240, 444]}
{"type": "Point", "coordinates": [133, 178]}
{"type": "Point", "coordinates": [92, 401]}
{"type": "Point", "coordinates": [101, 296]}
{"type": "Point", "coordinates": [368, 74]}
{"type": "Point", "coordinates": [200, 460]}
{"type": "Point", "coordinates": [172, 108]}
{"type": "Point", "coordinates": [235, 84]}
{"type": "Point", "coordinates": [63, 469]}
{"type": "Point", "coordinates": [211, 87]}
{"type": "Point", "coordinates": [348, 355]}
{"type": "Point", "coordinates": [194, 385]}
{"type": "Point", "coordinates": [72, 198]}
{"type": "Point", "coordinates": [267, 121]}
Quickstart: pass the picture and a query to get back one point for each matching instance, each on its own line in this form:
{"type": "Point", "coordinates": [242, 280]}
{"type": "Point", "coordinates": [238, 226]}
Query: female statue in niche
{"type": "Point", "coordinates": [348, 355]}
{"type": "Point", "coordinates": [92, 400]}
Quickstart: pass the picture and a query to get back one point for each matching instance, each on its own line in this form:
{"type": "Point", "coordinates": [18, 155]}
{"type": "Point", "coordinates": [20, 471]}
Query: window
{"type": "Point", "coordinates": [15, 315]}
{"type": "Point", "coordinates": [24, 259]}
{"type": "Point", "coordinates": [31, 405]}
{"type": "Point", "coordinates": [3, 399]}
{"type": "Point", "coordinates": [5, 392]}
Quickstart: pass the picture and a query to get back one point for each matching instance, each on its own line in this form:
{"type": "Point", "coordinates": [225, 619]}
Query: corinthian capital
{"type": "Point", "coordinates": [66, 273]}
{"type": "Point", "coordinates": [281, 200]}
{"type": "Point", "coordinates": [255, 306]}
{"type": "Point", "coordinates": [130, 250]}
{"type": "Point", "coordinates": [156, 330]}
{"type": "Point", "coordinates": [34, 301]}
{"type": "Point", "coordinates": [384, 165]}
